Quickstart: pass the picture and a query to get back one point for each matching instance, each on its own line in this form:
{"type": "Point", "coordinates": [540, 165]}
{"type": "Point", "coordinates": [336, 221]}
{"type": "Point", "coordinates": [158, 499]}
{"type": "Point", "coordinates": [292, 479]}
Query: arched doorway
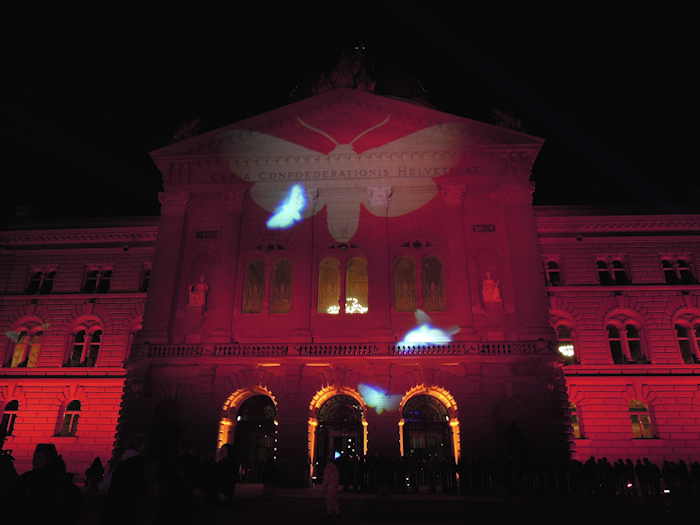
{"type": "Point", "coordinates": [255, 437]}
{"type": "Point", "coordinates": [426, 429]}
{"type": "Point", "coordinates": [429, 439]}
{"type": "Point", "coordinates": [249, 424]}
{"type": "Point", "coordinates": [339, 432]}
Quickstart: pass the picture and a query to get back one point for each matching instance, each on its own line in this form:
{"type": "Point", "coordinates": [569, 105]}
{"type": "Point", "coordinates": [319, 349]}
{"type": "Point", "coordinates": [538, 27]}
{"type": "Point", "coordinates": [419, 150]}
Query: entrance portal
{"type": "Point", "coordinates": [255, 440]}
{"type": "Point", "coordinates": [426, 432]}
{"type": "Point", "coordinates": [339, 434]}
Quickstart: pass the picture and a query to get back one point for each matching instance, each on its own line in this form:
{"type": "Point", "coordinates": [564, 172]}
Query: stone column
{"type": "Point", "coordinates": [166, 261]}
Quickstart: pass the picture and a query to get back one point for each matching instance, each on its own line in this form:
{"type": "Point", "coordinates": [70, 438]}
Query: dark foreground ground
{"type": "Point", "coordinates": [289, 507]}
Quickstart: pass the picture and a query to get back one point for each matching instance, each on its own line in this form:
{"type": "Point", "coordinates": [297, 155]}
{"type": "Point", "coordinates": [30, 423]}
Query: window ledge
{"type": "Point", "coordinates": [64, 436]}
{"type": "Point", "coordinates": [75, 295]}
{"type": "Point", "coordinates": [623, 287]}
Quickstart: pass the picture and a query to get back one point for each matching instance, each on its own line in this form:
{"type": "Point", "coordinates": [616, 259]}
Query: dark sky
{"type": "Point", "coordinates": [86, 102]}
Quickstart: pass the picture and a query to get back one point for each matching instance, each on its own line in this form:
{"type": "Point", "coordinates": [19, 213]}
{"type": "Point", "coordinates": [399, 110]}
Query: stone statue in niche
{"type": "Point", "coordinates": [490, 290]}
{"type": "Point", "coordinates": [198, 293]}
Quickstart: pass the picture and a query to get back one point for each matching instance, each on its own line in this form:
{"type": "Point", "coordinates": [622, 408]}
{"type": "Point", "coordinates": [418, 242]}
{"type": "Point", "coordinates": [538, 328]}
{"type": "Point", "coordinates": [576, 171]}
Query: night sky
{"type": "Point", "coordinates": [86, 106]}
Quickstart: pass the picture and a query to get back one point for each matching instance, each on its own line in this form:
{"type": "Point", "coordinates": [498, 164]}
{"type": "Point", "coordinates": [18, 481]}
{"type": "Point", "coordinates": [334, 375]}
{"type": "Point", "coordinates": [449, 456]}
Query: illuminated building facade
{"type": "Point", "coordinates": [353, 275]}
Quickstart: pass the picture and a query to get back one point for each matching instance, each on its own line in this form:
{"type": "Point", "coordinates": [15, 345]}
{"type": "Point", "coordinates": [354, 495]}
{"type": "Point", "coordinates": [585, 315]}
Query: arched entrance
{"type": "Point", "coordinates": [429, 438]}
{"type": "Point", "coordinates": [337, 429]}
{"type": "Point", "coordinates": [250, 425]}
{"type": "Point", "coordinates": [426, 429]}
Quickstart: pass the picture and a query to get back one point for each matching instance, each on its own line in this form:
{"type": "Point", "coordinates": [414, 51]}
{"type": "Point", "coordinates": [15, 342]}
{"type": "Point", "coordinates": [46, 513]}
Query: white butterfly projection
{"type": "Point", "coordinates": [289, 210]}
{"type": "Point", "coordinates": [378, 399]}
{"type": "Point", "coordinates": [343, 180]}
{"type": "Point", "coordinates": [426, 334]}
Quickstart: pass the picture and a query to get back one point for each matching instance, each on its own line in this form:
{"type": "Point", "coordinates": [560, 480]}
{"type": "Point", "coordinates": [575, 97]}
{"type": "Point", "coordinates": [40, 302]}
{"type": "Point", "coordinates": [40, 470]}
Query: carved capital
{"type": "Point", "coordinates": [173, 202]}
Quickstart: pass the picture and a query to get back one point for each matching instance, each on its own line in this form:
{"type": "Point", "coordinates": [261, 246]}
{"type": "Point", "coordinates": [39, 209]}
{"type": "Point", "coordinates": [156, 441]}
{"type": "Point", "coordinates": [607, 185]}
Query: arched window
{"type": "Point", "coordinates": [85, 347]}
{"type": "Point", "coordinates": [575, 422]}
{"type": "Point", "coordinates": [68, 426]}
{"type": "Point", "coordinates": [329, 286]}
{"type": "Point", "coordinates": [626, 344]}
{"type": "Point", "coordinates": [565, 344]}
{"type": "Point", "coordinates": [356, 287]}
{"type": "Point", "coordinates": [642, 427]}
{"type": "Point", "coordinates": [688, 337]}
{"type": "Point", "coordinates": [254, 288]}
{"type": "Point", "coordinates": [281, 289]}
{"type": "Point", "coordinates": [552, 273]}
{"type": "Point", "coordinates": [405, 299]}
{"type": "Point", "coordinates": [27, 347]}
{"type": "Point", "coordinates": [433, 299]}
{"type": "Point", "coordinates": [9, 418]}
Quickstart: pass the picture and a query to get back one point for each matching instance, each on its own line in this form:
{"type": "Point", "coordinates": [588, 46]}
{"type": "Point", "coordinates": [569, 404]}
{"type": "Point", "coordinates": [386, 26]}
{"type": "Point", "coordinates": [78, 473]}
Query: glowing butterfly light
{"type": "Point", "coordinates": [378, 398]}
{"type": "Point", "coordinates": [289, 211]}
{"type": "Point", "coordinates": [425, 334]}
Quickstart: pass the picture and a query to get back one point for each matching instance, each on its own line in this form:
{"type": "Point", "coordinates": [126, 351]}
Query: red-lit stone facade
{"type": "Point", "coordinates": [408, 208]}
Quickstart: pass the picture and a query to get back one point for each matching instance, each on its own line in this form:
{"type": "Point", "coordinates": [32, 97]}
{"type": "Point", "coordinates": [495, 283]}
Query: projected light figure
{"type": "Point", "coordinates": [378, 398]}
{"type": "Point", "coordinates": [425, 334]}
{"type": "Point", "coordinates": [289, 211]}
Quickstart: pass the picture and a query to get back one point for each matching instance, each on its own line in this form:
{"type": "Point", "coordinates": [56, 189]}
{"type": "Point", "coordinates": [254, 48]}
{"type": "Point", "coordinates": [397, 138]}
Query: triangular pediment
{"type": "Point", "coordinates": [343, 116]}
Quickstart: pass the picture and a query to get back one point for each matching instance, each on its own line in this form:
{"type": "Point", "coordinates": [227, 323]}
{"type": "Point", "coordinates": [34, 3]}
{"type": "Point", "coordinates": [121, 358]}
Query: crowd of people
{"type": "Point", "coordinates": [138, 486]}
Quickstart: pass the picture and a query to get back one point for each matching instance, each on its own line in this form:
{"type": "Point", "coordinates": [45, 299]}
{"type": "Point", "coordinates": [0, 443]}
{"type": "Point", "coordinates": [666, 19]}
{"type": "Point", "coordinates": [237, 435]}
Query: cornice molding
{"type": "Point", "coordinates": [623, 224]}
{"type": "Point", "coordinates": [131, 234]}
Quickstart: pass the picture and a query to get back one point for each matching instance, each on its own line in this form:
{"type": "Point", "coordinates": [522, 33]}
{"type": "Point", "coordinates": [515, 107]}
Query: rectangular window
{"type": "Point", "coordinates": [97, 280]}
{"type": "Point", "coordinates": [145, 279]}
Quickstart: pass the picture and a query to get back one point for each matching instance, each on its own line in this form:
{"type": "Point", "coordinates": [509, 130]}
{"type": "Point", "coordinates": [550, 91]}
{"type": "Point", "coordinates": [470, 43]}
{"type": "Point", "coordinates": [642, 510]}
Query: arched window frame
{"type": "Point", "coordinates": [9, 417]}
{"type": "Point", "coordinates": [67, 425]}
{"type": "Point", "coordinates": [343, 305]}
{"type": "Point", "coordinates": [86, 352]}
{"type": "Point", "coordinates": [632, 347]}
{"type": "Point", "coordinates": [643, 426]}
{"type": "Point", "coordinates": [687, 330]}
{"type": "Point", "coordinates": [613, 271]}
{"type": "Point", "coordinates": [269, 266]}
{"type": "Point", "coordinates": [419, 264]}
{"type": "Point", "coordinates": [24, 351]}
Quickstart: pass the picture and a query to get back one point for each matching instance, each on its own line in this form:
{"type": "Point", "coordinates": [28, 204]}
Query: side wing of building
{"type": "Point", "coordinates": [624, 301]}
{"type": "Point", "coordinates": [71, 300]}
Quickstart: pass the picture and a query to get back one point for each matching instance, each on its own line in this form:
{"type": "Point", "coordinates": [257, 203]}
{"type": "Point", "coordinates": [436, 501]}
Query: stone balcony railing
{"type": "Point", "coordinates": [150, 351]}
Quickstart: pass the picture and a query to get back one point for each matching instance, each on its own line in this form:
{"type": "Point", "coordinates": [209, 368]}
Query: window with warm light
{"type": "Point", "coordinates": [356, 287]}
{"type": "Point", "coordinates": [642, 427]}
{"type": "Point", "coordinates": [408, 294]}
{"type": "Point", "coordinates": [575, 422]}
{"type": "Point", "coordinates": [9, 418]}
{"type": "Point", "coordinates": [433, 296]}
{"type": "Point", "coordinates": [329, 286]}
{"type": "Point", "coordinates": [26, 348]}
{"type": "Point", "coordinates": [565, 344]}
{"type": "Point", "coordinates": [68, 425]}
